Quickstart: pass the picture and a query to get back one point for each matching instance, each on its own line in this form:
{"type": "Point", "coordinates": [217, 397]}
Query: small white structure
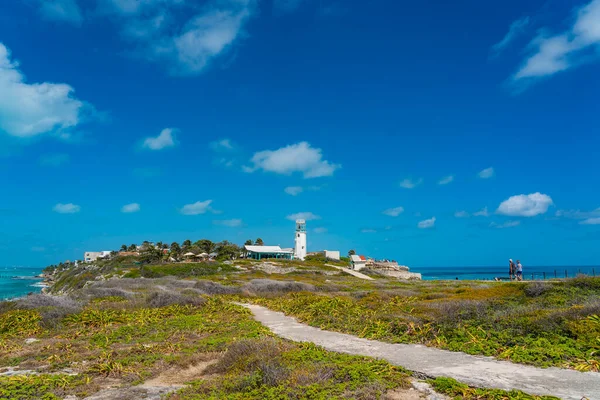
{"type": "Point", "coordinates": [331, 254]}
{"type": "Point", "coordinates": [300, 239]}
{"type": "Point", "coordinates": [261, 252]}
{"type": "Point", "coordinates": [358, 262]}
{"type": "Point", "coordinates": [91, 256]}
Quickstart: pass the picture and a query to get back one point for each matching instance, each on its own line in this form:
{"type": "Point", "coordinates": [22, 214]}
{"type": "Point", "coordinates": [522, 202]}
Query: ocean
{"type": "Point", "coordinates": [18, 281]}
{"type": "Point", "coordinates": [489, 273]}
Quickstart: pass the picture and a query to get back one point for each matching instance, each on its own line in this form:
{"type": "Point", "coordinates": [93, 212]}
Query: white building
{"type": "Point", "coordinates": [300, 239]}
{"type": "Point", "coordinates": [263, 252]}
{"type": "Point", "coordinates": [331, 254]}
{"type": "Point", "coordinates": [90, 256]}
{"type": "Point", "coordinates": [358, 262]}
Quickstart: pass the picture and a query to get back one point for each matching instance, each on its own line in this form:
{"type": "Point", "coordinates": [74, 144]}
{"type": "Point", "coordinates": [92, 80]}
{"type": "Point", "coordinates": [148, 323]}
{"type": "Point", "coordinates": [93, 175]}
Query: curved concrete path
{"type": "Point", "coordinates": [484, 372]}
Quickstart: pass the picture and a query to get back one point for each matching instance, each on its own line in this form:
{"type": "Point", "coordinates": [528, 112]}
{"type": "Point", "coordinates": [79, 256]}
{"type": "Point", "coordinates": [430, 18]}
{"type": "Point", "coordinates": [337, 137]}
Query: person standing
{"type": "Point", "coordinates": [519, 271]}
{"type": "Point", "coordinates": [511, 269]}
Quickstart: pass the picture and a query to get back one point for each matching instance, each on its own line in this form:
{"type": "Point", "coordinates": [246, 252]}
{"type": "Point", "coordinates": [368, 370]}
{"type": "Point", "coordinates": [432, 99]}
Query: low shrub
{"type": "Point", "coordinates": [210, 287]}
{"type": "Point", "coordinates": [164, 299]}
{"type": "Point", "coordinates": [536, 289]}
{"type": "Point", "coordinates": [52, 309]}
{"type": "Point", "coordinates": [270, 286]}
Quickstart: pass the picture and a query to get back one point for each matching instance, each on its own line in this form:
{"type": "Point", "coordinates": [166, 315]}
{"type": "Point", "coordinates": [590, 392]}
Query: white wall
{"type": "Point", "coordinates": [300, 245]}
{"type": "Point", "coordinates": [332, 254]}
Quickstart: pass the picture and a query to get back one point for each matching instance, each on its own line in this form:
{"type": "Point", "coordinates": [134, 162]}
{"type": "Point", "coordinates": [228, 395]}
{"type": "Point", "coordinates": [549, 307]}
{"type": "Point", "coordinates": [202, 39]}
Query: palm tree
{"type": "Point", "coordinates": [248, 242]}
{"type": "Point", "coordinates": [351, 253]}
{"type": "Point", "coordinates": [259, 242]}
{"type": "Point", "coordinates": [186, 243]}
{"type": "Point", "coordinates": [133, 247]}
{"type": "Point", "coordinates": [123, 247]}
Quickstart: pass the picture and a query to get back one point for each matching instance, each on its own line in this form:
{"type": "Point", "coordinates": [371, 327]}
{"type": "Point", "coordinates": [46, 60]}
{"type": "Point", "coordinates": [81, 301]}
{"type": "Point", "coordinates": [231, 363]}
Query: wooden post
{"type": "Point", "coordinates": [566, 274]}
{"type": "Point", "coordinates": [544, 276]}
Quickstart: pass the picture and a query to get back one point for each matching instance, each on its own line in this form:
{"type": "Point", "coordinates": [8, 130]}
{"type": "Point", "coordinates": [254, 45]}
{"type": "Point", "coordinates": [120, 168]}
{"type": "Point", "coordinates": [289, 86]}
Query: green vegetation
{"type": "Point", "coordinates": [43, 387]}
{"type": "Point", "coordinates": [459, 390]}
{"type": "Point", "coordinates": [274, 369]}
{"type": "Point", "coordinates": [544, 324]}
{"type": "Point", "coordinates": [130, 319]}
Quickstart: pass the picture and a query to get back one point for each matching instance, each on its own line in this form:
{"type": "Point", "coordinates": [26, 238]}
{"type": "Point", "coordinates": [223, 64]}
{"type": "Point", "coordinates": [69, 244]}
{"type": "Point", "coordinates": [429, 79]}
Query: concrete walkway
{"type": "Point", "coordinates": [352, 272]}
{"type": "Point", "coordinates": [484, 372]}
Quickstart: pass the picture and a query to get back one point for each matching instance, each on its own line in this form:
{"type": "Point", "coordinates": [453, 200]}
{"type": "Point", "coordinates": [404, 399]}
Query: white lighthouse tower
{"type": "Point", "coordinates": [300, 239]}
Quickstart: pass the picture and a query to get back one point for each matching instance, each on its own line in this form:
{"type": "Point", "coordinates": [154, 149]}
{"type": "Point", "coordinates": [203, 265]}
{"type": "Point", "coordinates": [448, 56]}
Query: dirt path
{"type": "Point", "coordinates": [484, 372]}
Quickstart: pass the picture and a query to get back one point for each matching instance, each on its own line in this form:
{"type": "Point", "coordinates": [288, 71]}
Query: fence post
{"type": "Point", "coordinates": [532, 277]}
{"type": "Point", "coordinates": [544, 276]}
{"type": "Point", "coordinates": [594, 271]}
{"type": "Point", "coordinates": [566, 274]}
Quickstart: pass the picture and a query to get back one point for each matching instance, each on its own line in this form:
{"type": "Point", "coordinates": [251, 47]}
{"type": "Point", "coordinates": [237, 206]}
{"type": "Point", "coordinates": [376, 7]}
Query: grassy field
{"type": "Point", "coordinates": [123, 324]}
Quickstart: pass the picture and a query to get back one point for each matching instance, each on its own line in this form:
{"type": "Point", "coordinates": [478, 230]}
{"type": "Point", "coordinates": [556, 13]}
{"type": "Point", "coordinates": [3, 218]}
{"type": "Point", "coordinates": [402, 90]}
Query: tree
{"type": "Point", "coordinates": [123, 247]}
{"type": "Point", "coordinates": [186, 243]}
{"type": "Point", "coordinates": [175, 250]}
{"type": "Point", "coordinates": [259, 242]}
{"type": "Point", "coordinates": [227, 251]}
{"type": "Point", "coordinates": [248, 242]}
{"type": "Point", "coordinates": [133, 247]}
{"type": "Point", "coordinates": [351, 253]}
{"type": "Point", "coordinates": [205, 246]}
{"type": "Point", "coordinates": [159, 245]}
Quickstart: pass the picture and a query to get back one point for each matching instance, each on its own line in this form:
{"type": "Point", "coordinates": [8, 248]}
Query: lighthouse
{"type": "Point", "coordinates": [300, 239]}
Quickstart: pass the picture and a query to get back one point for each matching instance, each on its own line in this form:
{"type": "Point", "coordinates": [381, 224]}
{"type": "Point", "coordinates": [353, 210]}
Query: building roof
{"type": "Point", "coordinates": [266, 249]}
{"type": "Point", "coordinates": [357, 258]}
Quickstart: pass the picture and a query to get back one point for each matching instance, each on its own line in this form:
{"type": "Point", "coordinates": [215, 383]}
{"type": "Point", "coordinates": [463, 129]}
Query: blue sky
{"type": "Point", "coordinates": [432, 133]}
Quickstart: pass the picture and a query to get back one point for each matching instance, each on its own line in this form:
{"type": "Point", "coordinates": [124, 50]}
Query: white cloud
{"type": "Point", "coordinates": [61, 10]}
{"type": "Point", "coordinates": [446, 180]}
{"type": "Point", "coordinates": [307, 216]}
{"type": "Point", "coordinates": [130, 208]}
{"type": "Point", "coordinates": [427, 223]}
{"type": "Point", "coordinates": [54, 160]}
{"type": "Point", "coordinates": [231, 223]}
{"type": "Point", "coordinates": [165, 139]}
{"type": "Point", "coordinates": [482, 213]}
{"type": "Point", "coordinates": [68, 208]}
{"type": "Point", "coordinates": [507, 224]}
{"type": "Point", "coordinates": [203, 38]}
{"type": "Point", "coordinates": [28, 110]}
{"type": "Point", "coordinates": [486, 173]}
{"type": "Point", "coordinates": [515, 29]}
{"type": "Point", "coordinates": [578, 214]}
{"type": "Point", "coordinates": [300, 157]}
{"type": "Point", "coordinates": [462, 214]}
{"type": "Point", "coordinates": [523, 205]}
{"type": "Point", "coordinates": [368, 230]}
{"type": "Point", "coordinates": [320, 230]}
{"type": "Point", "coordinates": [293, 190]}
{"type": "Point", "coordinates": [591, 221]}
{"type": "Point", "coordinates": [410, 184]}
{"type": "Point", "coordinates": [394, 212]}
{"type": "Point", "coordinates": [221, 145]}
{"type": "Point", "coordinates": [199, 207]}
{"type": "Point", "coordinates": [555, 53]}
{"type": "Point", "coordinates": [286, 6]}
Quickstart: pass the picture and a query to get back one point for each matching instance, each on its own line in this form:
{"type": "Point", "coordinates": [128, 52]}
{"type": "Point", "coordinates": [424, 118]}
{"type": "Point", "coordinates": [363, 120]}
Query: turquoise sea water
{"type": "Point", "coordinates": [18, 281]}
{"type": "Point", "coordinates": [489, 273]}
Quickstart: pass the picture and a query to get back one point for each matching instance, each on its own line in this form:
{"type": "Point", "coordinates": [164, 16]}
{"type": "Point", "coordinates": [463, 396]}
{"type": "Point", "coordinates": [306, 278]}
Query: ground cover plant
{"type": "Point", "coordinates": [124, 323]}
{"type": "Point", "coordinates": [544, 324]}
